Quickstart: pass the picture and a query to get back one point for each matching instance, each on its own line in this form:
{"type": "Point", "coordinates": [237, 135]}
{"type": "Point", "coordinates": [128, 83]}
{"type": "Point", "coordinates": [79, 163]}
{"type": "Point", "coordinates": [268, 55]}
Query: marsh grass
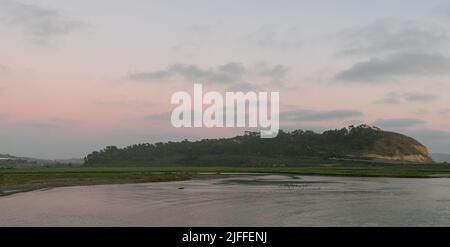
{"type": "Point", "coordinates": [15, 180]}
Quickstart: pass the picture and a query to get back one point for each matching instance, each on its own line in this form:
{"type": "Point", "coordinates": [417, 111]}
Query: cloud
{"type": "Point", "coordinates": [125, 103]}
{"type": "Point", "coordinates": [200, 29]}
{"type": "Point", "coordinates": [378, 70]}
{"type": "Point", "coordinates": [276, 73]}
{"type": "Point", "coordinates": [437, 135]}
{"type": "Point", "coordinates": [38, 24]}
{"type": "Point", "coordinates": [390, 35]}
{"type": "Point", "coordinates": [186, 47]}
{"type": "Point", "coordinates": [163, 118]}
{"type": "Point", "coordinates": [402, 49]}
{"type": "Point", "coordinates": [421, 97]}
{"type": "Point", "coordinates": [243, 87]}
{"type": "Point", "coordinates": [397, 98]}
{"type": "Point", "coordinates": [398, 122]}
{"type": "Point", "coordinates": [226, 73]}
{"type": "Point", "coordinates": [289, 116]}
{"type": "Point", "coordinates": [270, 37]}
{"type": "Point", "coordinates": [3, 69]}
{"type": "Point", "coordinates": [51, 123]}
{"type": "Point", "coordinates": [390, 98]}
{"type": "Point", "coordinates": [308, 115]}
{"type": "Point", "coordinates": [442, 10]}
{"type": "Point", "coordinates": [4, 72]}
{"type": "Point", "coordinates": [435, 140]}
{"type": "Point", "coordinates": [445, 111]}
{"type": "Point", "coordinates": [229, 73]}
{"type": "Point", "coordinates": [158, 117]}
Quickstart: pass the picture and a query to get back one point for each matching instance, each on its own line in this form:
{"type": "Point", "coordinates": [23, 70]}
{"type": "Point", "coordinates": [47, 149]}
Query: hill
{"type": "Point", "coordinates": [6, 156]}
{"type": "Point", "coordinates": [288, 148]}
{"type": "Point", "coordinates": [9, 160]}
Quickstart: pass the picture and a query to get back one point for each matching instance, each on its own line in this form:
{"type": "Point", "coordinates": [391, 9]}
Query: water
{"type": "Point", "coordinates": [238, 200]}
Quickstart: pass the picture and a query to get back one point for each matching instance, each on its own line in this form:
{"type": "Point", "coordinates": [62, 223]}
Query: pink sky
{"type": "Point", "coordinates": [77, 76]}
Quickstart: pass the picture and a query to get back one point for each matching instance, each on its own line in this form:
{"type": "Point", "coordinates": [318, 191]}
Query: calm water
{"type": "Point", "coordinates": [238, 200]}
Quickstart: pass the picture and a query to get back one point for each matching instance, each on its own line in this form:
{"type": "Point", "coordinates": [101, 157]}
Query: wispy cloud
{"type": "Point", "coordinates": [276, 73]}
{"type": "Point", "coordinates": [226, 73]}
{"type": "Point", "coordinates": [309, 115]}
{"type": "Point", "coordinates": [38, 24]}
{"type": "Point", "coordinates": [201, 29]}
{"type": "Point", "coordinates": [421, 97]}
{"type": "Point", "coordinates": [435, 140]}
{"type": "Point", "coordinates": [3, 68]}
{"type": "Point", "coordinates": [379, 70]}
{"type": "Point", "coordinates": [243, 87]}
{"type": "Point", "coordinates": [276, 39]}
{"type": "Point", "coordinates": [445, 111]}
{"type": "Point", "coordinates": [51, 123]}
{"type": "Point", "coordinates": [390, 98]}
{"type": "Point", "coordinates": [4, 72]}
{"type": "Point", "coordinates": [125, 103]}
{"type": "Point", "coordinates": [391, 35]}
{"type": "Point", "coordinates": [442, 10]}
{"type": "Point", "coordinates": [158, 117]}
{"type": "Point", "coordinates": [229, 73]}
{"type": "Point", "coordinates": [398, 123]}
{"type": "Point", "coordinates": [397, 98]}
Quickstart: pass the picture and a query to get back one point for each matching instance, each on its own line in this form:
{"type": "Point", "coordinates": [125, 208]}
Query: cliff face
{"type": "Point", "coordinates": [397, 147]}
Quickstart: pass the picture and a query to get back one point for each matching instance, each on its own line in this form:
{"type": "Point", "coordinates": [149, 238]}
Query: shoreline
{"type": "Point", "coordinates": [17, 180]}
{"type": "Point", "coordinates": [10, 189]}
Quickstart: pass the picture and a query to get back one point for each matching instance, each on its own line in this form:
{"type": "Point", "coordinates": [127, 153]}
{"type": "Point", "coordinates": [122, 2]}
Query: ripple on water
{"type": "Point", "coordinates": [238, 200]}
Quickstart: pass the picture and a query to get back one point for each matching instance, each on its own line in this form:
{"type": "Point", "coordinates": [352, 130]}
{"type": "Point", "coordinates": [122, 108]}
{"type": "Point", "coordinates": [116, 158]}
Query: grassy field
{"type": "Point", "coordinates": [27, 179]}
{"type": "Point", "coordinates": [13, 180]}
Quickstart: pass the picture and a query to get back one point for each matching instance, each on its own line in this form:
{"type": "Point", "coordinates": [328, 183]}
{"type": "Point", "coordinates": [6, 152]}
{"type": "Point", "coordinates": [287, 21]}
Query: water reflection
{"type": "Point", "coordinates": [238, 200]}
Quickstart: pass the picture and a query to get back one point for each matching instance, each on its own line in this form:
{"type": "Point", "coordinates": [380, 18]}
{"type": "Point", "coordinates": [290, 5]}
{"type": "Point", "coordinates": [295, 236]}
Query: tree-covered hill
{"type": "Point", "coordinates": [361, 142]}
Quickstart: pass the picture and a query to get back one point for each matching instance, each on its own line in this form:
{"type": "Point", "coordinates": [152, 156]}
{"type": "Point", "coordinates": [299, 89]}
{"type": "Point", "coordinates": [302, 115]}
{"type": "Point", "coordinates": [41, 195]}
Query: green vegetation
{"type": "Point", "coordinates": [288, 148]}
{"type": "Point", "coordinates": [341, 152]}
{"type": "Point", "coordinates": [15, 180]}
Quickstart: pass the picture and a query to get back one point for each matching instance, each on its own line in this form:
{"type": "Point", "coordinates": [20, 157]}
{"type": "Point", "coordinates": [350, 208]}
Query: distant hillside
{"type": "Point", "coordinates": [6, 159]}
{"type": "Point", "coordinates": [6, 156]}
{"type": "Point", "coordinates": [361, 142]}
{"type": "Point", "coordinates": [438, 157]}
{"type": "Point", "coordinates": [73, 161]}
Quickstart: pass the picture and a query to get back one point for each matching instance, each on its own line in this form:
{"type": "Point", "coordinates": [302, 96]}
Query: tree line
{"type": "Point", "coordinates": [331, 143]}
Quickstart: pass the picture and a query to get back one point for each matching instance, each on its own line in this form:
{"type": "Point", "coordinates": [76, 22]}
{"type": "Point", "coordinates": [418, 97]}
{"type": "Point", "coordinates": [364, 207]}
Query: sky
{"type": "Point", "coordinates": [76, 76]}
